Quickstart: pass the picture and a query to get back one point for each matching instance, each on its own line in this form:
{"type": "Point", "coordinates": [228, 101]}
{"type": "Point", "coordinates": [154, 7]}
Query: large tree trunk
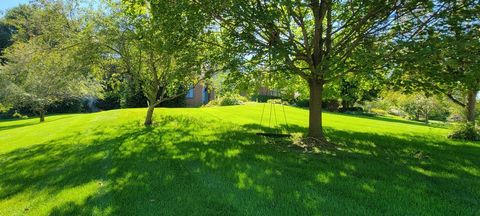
{"type": "Point", "coordinates": [42, 115]}
{"type": "Point", "coordinates": [148, 118]}
{"type": "Point", "coordinates": [471, 107]}
{"type": "Point", "coordinates": [315, 128]}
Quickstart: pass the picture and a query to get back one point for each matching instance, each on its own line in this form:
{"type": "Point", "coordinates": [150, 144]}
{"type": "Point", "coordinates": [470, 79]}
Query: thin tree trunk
{"type": "Point", "coordinates": [315, 128]}
{"type": "Point", "coordinates": [345, 106]}
{"type": "Point", "coordinates": [148, 118]}
{"type": "Point", "coordinates": [471, 107]}
{"type": "Point", "coordinates": [42, 115]}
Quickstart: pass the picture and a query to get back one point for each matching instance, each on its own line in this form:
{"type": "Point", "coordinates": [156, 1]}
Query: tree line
{"type": "Point", "coordinates": [53, 49]}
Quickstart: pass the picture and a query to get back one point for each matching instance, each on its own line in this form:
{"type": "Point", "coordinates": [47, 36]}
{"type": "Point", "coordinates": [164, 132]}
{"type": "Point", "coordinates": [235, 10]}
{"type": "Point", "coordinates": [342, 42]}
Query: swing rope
{"type": "Point", "coordinates": [270, 119]}
{"type": "Point", "coordinates": [277, 129]}
{"type": "Point", "coordinates": [263, 112]}
{"type": "Point", "coordinates": [285, 116]}
{"type": "Point", "coordinates": [276, 121]}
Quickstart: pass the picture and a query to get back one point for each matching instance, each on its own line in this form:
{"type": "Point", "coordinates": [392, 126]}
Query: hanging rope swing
{"type": "Point", "coordinates": [275, 128]}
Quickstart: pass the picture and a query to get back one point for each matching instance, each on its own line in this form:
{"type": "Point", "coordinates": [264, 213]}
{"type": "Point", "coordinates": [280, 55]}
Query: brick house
{"type": "Point", "coordinates": [199, 95]}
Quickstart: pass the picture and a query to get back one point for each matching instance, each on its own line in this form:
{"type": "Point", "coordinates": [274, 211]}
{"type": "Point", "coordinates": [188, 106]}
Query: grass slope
{"type": "Point", "coordinates": [208, 161]}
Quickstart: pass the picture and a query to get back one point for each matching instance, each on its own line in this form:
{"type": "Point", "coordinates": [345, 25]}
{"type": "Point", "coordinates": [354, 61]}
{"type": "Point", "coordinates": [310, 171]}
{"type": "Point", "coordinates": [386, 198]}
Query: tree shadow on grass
{"type": "Point", "coordinates": [187, 166]}
{"type": "Point", "coordinates": [26, 124]}
{"type": "Point", "coordinates": [8, 127]}
{"type": "Point", "coordinates": [392, 120]}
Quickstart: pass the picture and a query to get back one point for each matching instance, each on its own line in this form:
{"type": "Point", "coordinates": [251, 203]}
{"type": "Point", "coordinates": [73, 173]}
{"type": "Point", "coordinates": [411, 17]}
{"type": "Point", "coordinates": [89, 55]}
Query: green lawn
{"type": "Point", "coordinates": [208, 161]}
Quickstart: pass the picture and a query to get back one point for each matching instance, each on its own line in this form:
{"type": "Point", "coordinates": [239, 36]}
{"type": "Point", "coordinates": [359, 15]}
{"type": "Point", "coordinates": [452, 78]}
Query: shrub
{"type": "Point", "coordinates": [277, 101]}
{"type": "Point", "coordinates": [331, 105]}
{"type": "Point", "coordinates": [71, 105]}
{"type": "Point", "coordinates": [379, 111]}
{"type": "Point", "coordinates": [302, 103]}
{"type": "Point", "coordinates": [397, 112]}
{"type": "Point", "coordinates": [456, 117]}
{"type": "Point", "coordinates": [111, 101]}
{"type": "Point", "coordinates": [466, 132]}
{"type": "Point", "coordinates": [263, 98]}
{"type": "Point", "coordinates": [19, 116]}
{"type": "Point", "coordinates": [352, 110]}
{"type": "Point", "coordinates": [228, 100]}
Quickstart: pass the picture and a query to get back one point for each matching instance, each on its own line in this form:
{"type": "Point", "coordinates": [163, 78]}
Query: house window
{"type": "Point", "coordinates": [190, 93]}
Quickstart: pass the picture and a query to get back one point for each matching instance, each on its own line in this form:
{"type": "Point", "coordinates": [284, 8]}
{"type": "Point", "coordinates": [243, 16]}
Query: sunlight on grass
{"type": "Point", "coordinates": [209, 161]}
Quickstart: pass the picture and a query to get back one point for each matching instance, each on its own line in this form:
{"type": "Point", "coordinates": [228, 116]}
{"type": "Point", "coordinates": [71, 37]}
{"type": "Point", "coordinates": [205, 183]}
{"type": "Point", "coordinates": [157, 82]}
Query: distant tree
{"type": "Point", "coordinates": [418, 105]}
{"type": "Point", "coordinates": [24, 22]}
{"type": "Point", "coordinates": [320, 41]}
{"type": "Point", "coordinates": [52, 64]}
{"type": "Point", "coordinates": [6, 32]}
{"type": "Point", "coordinates": [358, 89]}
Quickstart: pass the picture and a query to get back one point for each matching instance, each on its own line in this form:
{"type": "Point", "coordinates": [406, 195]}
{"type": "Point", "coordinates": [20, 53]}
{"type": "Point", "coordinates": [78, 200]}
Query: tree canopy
{"type": "Point", "coordinates": [48, 64]}
{"type": "Point", "coordinates": [445, 58]}
{"type": "Point", "coordinates": [320, 41]}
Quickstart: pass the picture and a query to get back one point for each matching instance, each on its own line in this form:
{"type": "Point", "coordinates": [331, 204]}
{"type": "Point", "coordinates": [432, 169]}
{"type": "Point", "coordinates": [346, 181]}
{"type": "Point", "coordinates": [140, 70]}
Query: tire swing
{"type": "Point", "coordinates": [276, 129]}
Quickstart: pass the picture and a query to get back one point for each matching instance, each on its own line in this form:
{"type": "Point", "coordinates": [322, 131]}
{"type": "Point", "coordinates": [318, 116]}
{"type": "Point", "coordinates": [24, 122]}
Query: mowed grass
{"type": "Point", "coordinates": [208, 161]}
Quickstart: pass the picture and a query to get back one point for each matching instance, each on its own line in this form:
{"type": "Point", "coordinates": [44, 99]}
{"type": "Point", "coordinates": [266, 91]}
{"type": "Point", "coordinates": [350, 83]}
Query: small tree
{"type": "Point", "coordinates": [418, 105]}
{"type": "Point", "coordinates": [158, 44]}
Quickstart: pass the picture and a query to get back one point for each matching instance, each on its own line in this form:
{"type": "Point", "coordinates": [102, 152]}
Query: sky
{"type": "Point", "coordinates": [7, 4]}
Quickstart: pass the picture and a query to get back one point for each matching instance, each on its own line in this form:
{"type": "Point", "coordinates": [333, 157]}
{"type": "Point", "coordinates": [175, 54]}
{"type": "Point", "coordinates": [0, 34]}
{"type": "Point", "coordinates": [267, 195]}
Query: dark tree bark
{"type": "Point", "coordinates": [471, 106]}
{"type": "Point", "coordinates": [42, 115]}
{"type": "Point", "coordinates": [315, 127]}
{"type": "Point", "coordinates": [148, 118]}
{"type": "Point", "coordinates": [345, 105]}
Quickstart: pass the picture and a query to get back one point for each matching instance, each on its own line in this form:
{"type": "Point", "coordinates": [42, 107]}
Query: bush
{"type": "Point", "coordinates": [111, 101]}
{"type": "Point", "coordinates": [466, 132]}
{"type": "Point", "coordinates": [302, 103]}
{"type": "Point", "coordinates": [72, 105]}
{"type": "Point", "coordinates": [19, 116]}
{"type": "Point", "coordinates": [331, 105]}
{"type": "Point", "coordinates": [397, 112]}
{"type": "Point", "coordinates": [175, 102]}
{"type": "Point", "coordinates": [277, 101]}
{"type": "Point", "coordinates": [228, 100]}
{"type": "Point", "coordinates": [352, 110]}
{"type": "Point", "coordinates": [379, 111]}
{"type": "Point", "coordinates": [263, 98]}
{"type": "Point", "coordinates": [328, 105]}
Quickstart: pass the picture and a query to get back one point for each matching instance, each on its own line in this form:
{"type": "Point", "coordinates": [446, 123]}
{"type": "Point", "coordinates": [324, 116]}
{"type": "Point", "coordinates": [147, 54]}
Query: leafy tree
{"type": "Point", "coordinates": [39, 77]}
{"type": "Point", "coordinates": [418, 105]}
{"type": "Point", "coordinates": [158, 43]}
{"type": "Point", "coordinates": [358, 89]}
{"type": "Point", "coordinates": [6, 32]}
{"type": "Point", "coordinates": [24, 22]}
{"type": "Point", "coordinates": [446, 58]}
{"type": "Point", "coordinates": [319, 41]}
{"type": "Point", "coordinates": [51, 65]}
{"type": "Point", "coordinates": [415, 105]}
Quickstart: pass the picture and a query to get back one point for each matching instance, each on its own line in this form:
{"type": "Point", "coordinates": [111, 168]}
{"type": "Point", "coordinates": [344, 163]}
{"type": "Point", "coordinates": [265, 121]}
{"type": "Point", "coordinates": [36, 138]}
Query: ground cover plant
{"type": "Point", "coordinates": [200, 161]}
